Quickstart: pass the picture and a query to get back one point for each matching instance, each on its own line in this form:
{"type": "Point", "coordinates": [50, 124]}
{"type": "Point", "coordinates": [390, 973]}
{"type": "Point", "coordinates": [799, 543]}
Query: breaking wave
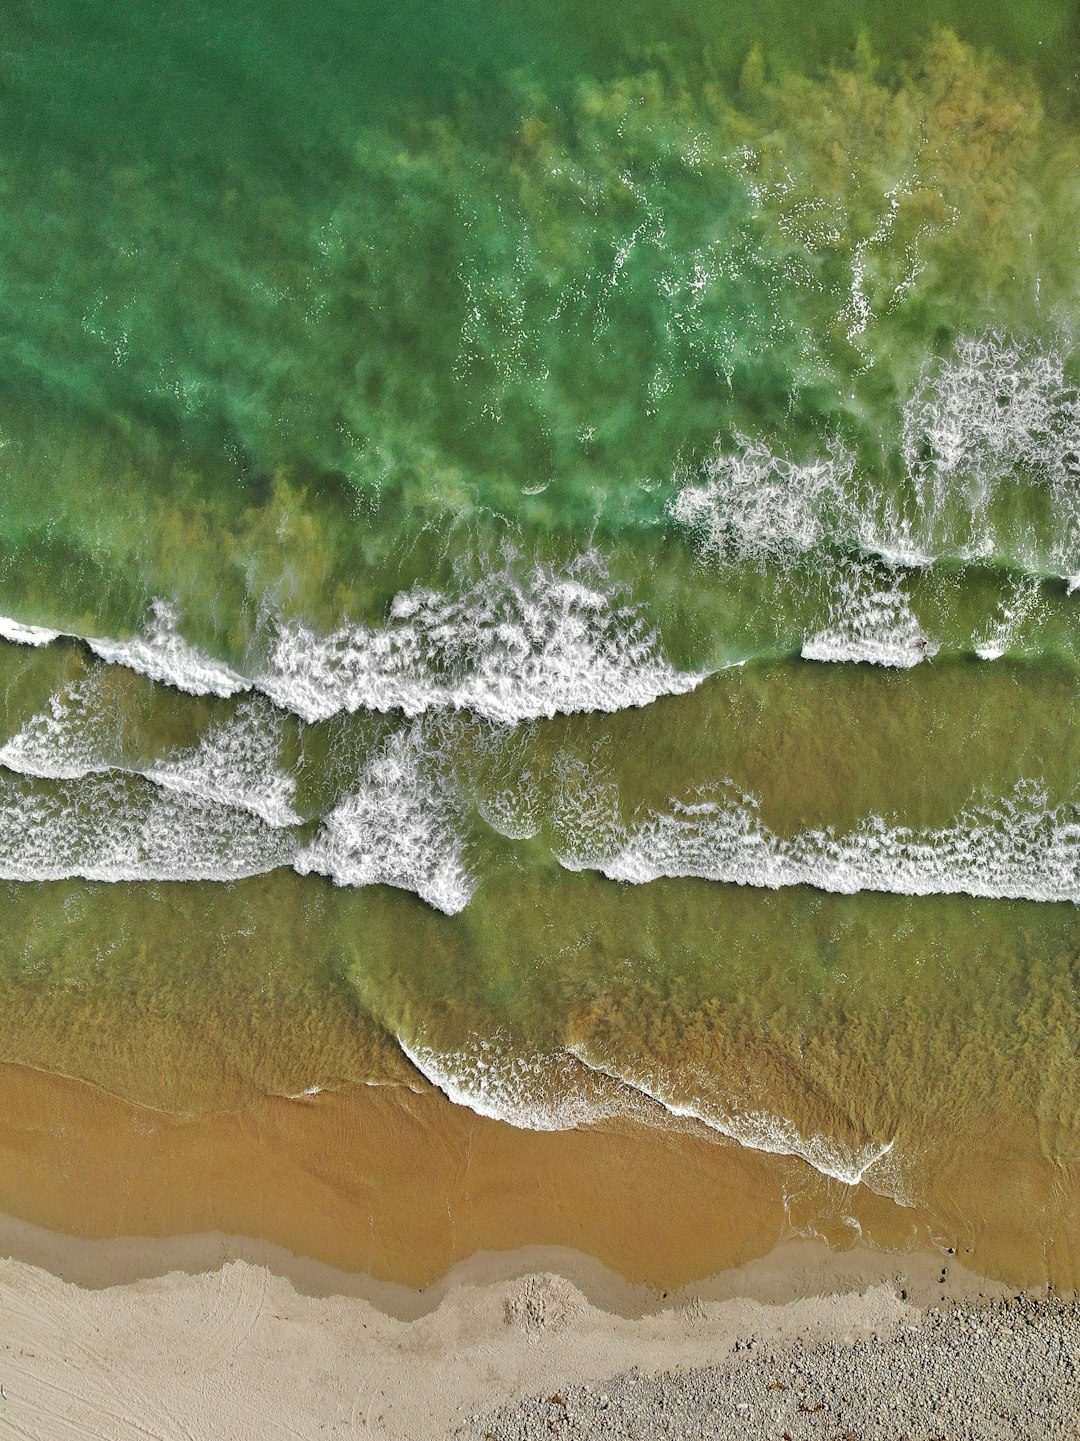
{"type": "Point", "coordinates": [20, 634]}
{"type": "Point", "coordinates": [551, 1092]}
{"type": "Point", "coordinates": [755, 506]}
{"type": "Point", "coordinates": [236, 763]}
{"type": "Point", "coordinates": [1003, 632]}
{"type": "Point", "coordinates": [1019, 848]}
{"type": "Point", "coordinates": [163, 654]}
{"type": "Point", "coordinates": [401, 826]}
{"type": "Point", "coordinates": [507, 648]}
{"type": "Point", "coordinates": [75, 736]}
{"type": "Point", "coordinates": [569, 1088]}
{"type": "Point", "coordinates": [870, 620]}
{"type": "Point", "coordinates": [995, 414]}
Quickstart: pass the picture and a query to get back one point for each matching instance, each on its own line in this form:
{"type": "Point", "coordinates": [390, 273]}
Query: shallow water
{"type": "Point", "coordinates": [542, 557]}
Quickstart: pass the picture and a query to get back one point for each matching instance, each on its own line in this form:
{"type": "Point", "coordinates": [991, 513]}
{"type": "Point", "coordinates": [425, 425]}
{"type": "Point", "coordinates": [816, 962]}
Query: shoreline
{"type": "Point", "coordinates": [109, 1334]}
{"type": "Point", "coordinates": [795, 1269]}
{"type": "Point", "coordinates": [352, 1264]}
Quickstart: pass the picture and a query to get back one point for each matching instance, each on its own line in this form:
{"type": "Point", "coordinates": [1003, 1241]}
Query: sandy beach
{"type": "Point", "coordinates": [223, 1337]}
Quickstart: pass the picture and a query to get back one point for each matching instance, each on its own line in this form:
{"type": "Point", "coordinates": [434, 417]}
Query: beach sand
{"type": "Point", "coordinates": [224, 1337]}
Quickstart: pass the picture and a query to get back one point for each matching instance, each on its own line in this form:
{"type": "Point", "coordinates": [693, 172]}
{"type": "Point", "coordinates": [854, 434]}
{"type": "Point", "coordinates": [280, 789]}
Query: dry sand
{"type": "Point", "coordinates": [233, 1339]}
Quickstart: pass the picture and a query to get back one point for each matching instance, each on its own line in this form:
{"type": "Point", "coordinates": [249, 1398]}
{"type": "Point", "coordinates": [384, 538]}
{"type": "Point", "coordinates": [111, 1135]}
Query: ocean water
{"type": "Point", "coordinates": [538, 555]}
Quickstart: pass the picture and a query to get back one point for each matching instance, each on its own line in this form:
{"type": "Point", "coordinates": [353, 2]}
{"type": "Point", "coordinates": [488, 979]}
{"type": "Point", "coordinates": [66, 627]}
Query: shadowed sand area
{"type": "Point", "coordinates": [401, 1185]}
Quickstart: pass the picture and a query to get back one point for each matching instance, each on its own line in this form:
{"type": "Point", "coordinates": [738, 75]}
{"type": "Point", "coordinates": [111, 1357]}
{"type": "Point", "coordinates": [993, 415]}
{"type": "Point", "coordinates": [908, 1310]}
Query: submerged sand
{"type": "Point", "coordinates": [402, 1185]}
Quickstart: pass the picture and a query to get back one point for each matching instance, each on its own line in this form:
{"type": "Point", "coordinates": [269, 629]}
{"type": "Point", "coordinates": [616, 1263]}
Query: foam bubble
{"type": "Point", "coordinates": [120, 828]}
{"type": "Point", "coordinates": [504, 647]}
{"type": "Point", "coordinates": [1019, 848]}
{"type": "Point", "coordinates": [401, 826]}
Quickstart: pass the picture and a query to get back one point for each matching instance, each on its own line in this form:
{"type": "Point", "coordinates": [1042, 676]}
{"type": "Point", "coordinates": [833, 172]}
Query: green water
{"type": "Point", "coordinates": [584, 512]}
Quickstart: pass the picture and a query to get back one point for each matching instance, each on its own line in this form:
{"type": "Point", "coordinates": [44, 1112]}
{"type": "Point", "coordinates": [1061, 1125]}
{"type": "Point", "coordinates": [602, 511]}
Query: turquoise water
{"type": "Point", "coordinates": [541, 551]}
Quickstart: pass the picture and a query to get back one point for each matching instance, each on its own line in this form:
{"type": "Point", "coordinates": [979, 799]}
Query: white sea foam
{"type": "Point", "coordinates": [1022, 605]}
{"type": "Point", "coordinates": [74, 736]}
{"type": "Point", "coordinates": [401, 826]}
{"type": "Point", "coordinates": [870, 619]}
{"type": "Point", "coordinates": [504, 647]}
{"type": "Point", "coordinates": [1020, 848]}
{"type": "Point", "coordinates": [551, 1092]}
{"type": "Point", "coordinates": [115, 827]}
{"type": "Point", "coordinates": [236, 763]}
{"type": "Point", "coordinates": [753, 1127]}
{"type": "Point", "coordinates": [36, 635]}
{"type": "Point", "coordinates": [164, 655]}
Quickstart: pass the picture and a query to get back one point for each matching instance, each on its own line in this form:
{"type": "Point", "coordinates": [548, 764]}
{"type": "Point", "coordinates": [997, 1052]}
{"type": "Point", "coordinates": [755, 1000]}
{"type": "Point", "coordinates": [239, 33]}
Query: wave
{"type": "Point", "coordinates": [163, 654]}
{"type": "Point", "coordinates": [506, 648]}
{"type": "Point", "coordinates": [20, 634]}
{"type": "Point", "coordinates": [401, 827]}
{"type": "Point", "coordinates": [1019, 848]}
{"type": "Point", "coordinates": [120, 828]}
{"type": "Point", "coordinates": [870, 621]}
{"type": "Point", "coordinates": [752, 1127]}
{"type": "Point", "coordinates": [509, 646]}
{"type": "Point", "coordinates": [234, 763]}
{"type": "Point", "coordinates": [568, 1088]}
